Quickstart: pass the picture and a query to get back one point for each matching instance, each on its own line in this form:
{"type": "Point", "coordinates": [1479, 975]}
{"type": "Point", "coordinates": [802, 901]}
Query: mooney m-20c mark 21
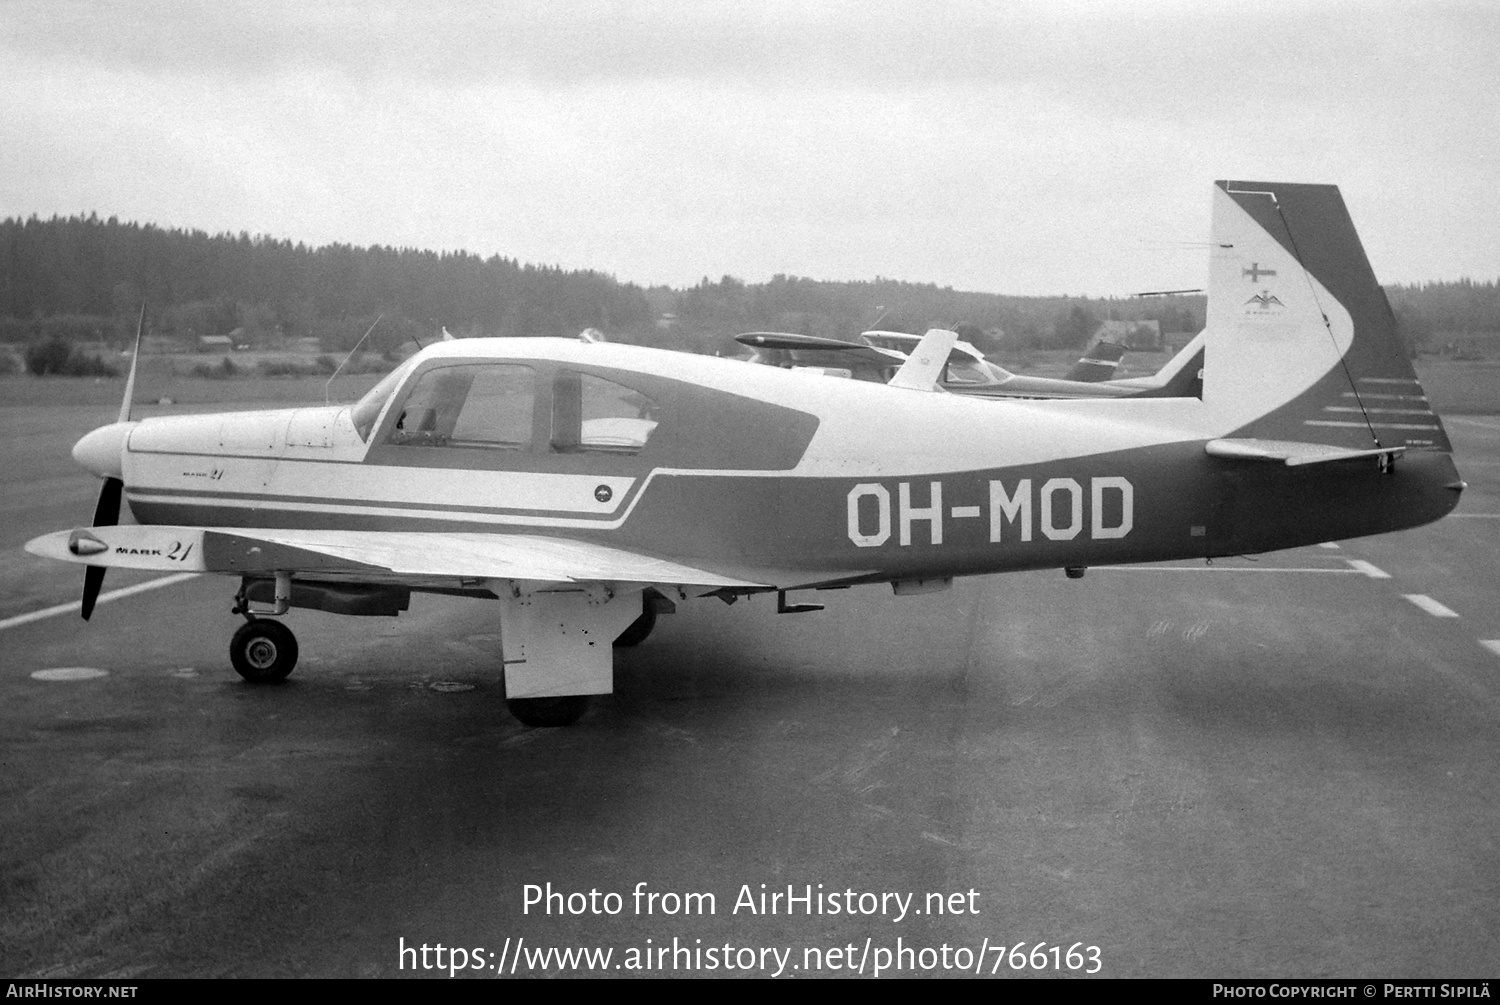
{"type": "Point", "coordinates": [584, 487]}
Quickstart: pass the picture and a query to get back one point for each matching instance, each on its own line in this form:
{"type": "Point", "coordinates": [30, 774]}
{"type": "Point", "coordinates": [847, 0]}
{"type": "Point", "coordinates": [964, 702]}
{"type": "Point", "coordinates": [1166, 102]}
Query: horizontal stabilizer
{"type": "Point", "coordinates": [1292, 453]}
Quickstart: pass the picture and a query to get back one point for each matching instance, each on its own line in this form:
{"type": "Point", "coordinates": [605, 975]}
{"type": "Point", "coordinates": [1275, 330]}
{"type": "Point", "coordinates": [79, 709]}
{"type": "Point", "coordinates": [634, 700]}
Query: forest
{"type": "Point", "coordinates": [83, 279]}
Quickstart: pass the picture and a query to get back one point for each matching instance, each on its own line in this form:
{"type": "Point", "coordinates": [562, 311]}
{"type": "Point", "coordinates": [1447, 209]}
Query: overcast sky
{"type": "Point", "coordinates": [1022, 147]}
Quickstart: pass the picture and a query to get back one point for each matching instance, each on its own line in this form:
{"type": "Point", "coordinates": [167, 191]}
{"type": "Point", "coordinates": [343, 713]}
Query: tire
{"type": "Point", "coordinates": [563, 710]}
{"type": "Point", "coordinates": [638, 630]}
{"type": "Point", "coordinates": [263, 651]}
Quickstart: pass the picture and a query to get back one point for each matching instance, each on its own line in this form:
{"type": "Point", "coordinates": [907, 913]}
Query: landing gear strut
{"type": "Point", "coordinates": [638, 630]}
{"type": "Point", "coordinates": [263, 651]}
{"type": "Point", "coordinates": [653, 602]}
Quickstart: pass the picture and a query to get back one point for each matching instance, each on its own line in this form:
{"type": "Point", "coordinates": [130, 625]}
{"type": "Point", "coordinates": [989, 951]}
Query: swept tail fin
{"type": "Point", "coordinates": [1302, 345]}
{"type": "Point", "coordinates": [924, 367]}
{"type": "Point", "coordinates": [1180, 377]}
{"type": "Point", "coordinates": [1099, 362]}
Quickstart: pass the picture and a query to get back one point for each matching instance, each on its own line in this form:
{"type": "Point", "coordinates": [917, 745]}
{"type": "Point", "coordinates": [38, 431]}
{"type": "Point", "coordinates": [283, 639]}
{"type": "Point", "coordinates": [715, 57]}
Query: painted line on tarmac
{"type": "Point", "coordinates": [1493, 645]}
{"type": "Point", "coordinates": [1474, 516]}
{"type": "Point", "coordinates": [104, 598]}
{"type": "Point", "coordinates": [1374, 572]}
{"type": "Point", "coordinates": [1431, 606]}
{"type": "Point", "coordinates": [1471, 422]}
{"type": "Point", "coordinates": [1236, 568]}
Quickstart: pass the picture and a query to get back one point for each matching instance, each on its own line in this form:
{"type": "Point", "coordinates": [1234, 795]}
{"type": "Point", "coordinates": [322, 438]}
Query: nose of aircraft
{"type": "Point", "coordinates": [102, 450]}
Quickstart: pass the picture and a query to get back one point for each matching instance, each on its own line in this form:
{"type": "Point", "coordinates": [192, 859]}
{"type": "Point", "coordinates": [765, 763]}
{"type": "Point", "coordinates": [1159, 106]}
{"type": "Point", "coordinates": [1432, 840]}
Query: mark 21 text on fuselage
{"type": "Point", "coordinates": [1060, 508]}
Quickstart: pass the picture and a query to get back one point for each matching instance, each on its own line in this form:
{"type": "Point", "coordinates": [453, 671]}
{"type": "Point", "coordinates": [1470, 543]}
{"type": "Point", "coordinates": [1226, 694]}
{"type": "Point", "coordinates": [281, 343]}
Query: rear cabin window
{"type": "Point", "coordinates": [967, 371]}
{"type": "Point", "coordinates": [594, 415]}
{"type": "Point", "coordinates": [480, 405]}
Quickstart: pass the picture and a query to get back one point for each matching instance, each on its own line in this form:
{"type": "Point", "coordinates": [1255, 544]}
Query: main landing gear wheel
{"type": "Point", "coordinates": [563, 710]}
{"type": "Point", "coordinates": [638, 630]}
{"type": "Point", "coordinates": [263, 651]}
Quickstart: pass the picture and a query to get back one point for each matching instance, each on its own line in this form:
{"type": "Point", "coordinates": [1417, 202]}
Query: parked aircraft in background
{"type": "Point", "coordinates": [1100, 361]}
{"type": "Point", "coordinates": [880, 353]}
{"type": "Point", "coordinates": [581, 488]}
{"type": "Point", "coordinates": [970, 366]}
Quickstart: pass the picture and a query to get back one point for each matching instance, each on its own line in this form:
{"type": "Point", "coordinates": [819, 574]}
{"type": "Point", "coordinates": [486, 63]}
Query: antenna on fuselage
{"type": "Point", "coordinates": [326, 387]}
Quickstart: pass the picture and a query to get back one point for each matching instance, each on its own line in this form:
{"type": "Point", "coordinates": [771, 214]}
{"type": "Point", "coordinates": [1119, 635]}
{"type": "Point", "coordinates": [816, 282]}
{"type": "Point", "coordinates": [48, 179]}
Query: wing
{"type": "Point", "coordinates": [369, 556]}
{"type": "Point", "coordinates": [812, 343]}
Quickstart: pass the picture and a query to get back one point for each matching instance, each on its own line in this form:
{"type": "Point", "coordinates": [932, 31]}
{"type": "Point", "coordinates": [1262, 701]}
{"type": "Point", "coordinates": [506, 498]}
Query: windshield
{"type": "Point", "coordinates": [367, 409]}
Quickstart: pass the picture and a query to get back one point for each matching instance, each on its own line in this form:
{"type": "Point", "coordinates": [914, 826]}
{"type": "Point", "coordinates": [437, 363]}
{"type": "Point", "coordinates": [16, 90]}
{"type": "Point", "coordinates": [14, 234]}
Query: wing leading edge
{"type": "Point", "coordinates": [390, 556]}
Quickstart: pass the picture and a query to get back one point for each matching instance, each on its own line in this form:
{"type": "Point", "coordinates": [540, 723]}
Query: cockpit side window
{"type": "Point", "coordinates": [482, 405]}
{"type": "Point", "coordinates": [594, 415]}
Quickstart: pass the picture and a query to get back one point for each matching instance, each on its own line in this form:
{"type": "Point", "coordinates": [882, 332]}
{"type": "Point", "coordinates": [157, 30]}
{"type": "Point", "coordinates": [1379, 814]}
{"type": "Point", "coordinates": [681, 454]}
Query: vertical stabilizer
{"type": "Point", "coordinates": [924, 367]}
{"type": "Point", "coordinates": [1302, 344]}
{"type": "Point", "coordinates": [1099, 362]}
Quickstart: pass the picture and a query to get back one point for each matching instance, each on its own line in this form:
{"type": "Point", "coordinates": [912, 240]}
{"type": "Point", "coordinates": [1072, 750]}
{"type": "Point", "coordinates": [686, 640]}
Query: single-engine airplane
{"type": "Point", "coordinates": [584, 487]}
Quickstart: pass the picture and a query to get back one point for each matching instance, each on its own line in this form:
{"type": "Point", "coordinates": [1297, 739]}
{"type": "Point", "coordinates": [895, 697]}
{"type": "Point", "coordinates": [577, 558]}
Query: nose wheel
{"type": "Point", "coordinates": [263, 651]}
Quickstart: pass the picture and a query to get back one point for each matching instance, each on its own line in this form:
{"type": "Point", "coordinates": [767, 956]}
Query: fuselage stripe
{"type": "Point", "coordinates": [1367, 425]}
{"type": "Point", "coordinates": [445, 514]}
{"type": "Point", "coordinates": [1380, 411]}
{"type": "Point", "coordinates": [342, 505]}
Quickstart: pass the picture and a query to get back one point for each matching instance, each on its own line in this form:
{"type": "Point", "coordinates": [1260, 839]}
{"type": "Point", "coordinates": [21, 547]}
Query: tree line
{"type": "Point", "coordinates": [98, 272]}
{"type": "Point", "coordinates": [82, 278]}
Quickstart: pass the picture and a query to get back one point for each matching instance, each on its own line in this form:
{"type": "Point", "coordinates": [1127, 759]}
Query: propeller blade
{"type": "Point", "coordinates": [106, 514]}
{"type": "Point", "coordinates": [107, 509]}
{"type": "Point", "coordinates": [135, 357]}
{"type": "Point", "coordinates": [93, 579]}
